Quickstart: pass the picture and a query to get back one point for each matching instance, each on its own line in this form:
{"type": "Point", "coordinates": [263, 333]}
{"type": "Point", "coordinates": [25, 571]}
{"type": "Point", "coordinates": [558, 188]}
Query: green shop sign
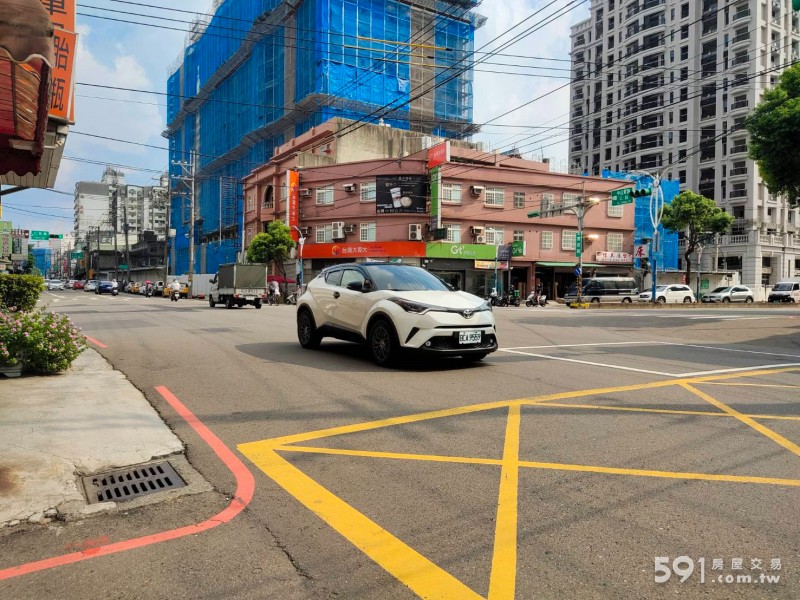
{"type": "Point", "coordinates": [465, 251]}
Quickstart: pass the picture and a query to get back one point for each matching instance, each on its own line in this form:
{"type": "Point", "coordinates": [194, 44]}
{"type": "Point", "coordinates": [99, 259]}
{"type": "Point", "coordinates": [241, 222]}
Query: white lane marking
{"type": "Point", "coordinates": [587, 362]}
{"type": "Point", "coordinates": [753, 368]}
{"type": "Point", "coordinates": [581, 345]}
{"type": "Point", "coordinates": [731, 349]}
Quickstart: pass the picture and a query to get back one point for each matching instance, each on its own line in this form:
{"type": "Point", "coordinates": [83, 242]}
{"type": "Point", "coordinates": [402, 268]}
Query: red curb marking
{"type": "Point", "coordinates": [245, 486]}
{"type": "Point", "coordinates": [95, 342]}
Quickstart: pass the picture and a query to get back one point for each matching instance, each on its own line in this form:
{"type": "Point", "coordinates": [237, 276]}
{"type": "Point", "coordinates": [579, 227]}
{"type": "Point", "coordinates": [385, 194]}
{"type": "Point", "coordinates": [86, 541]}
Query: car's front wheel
{"type": "Point", "coordinates": [726, 300]}
{"type": "Point", "coordinates": [307, 333]}
{"type": "Point", "coordinates": [661, 300]}
{"type": "Point", "coordinates": [382, 341]}
{"type": "Point", "coordinates": [687, 300]}
{"type": "Point", "coordinates": [748, 300]}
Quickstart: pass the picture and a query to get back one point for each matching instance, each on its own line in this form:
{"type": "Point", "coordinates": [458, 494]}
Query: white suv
{"type": "Point", "coordinates": [393, 307]}
{"type": "Point", "coordinates": [676, 292]}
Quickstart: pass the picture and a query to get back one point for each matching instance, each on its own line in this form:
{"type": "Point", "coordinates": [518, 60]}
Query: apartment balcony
{"type": "Point", "coordinates": [740, 105]}
{"type": "Point", "coordinates": [741, 14]}
{"type": "Point", "coordinates": [740, 60]}
{"type": "Point", "coordinates": [770, 239]}
{"type": "Point", "coordinates": [739, 149]}
{"type": "Point", "coordinates": [735, 238]}
{"type": "Point", "coordinates": [742, 38]}
{"type": "Point", "coordinates": [739, 172]}
{"type": "Point", "coordinates": [738, 194]}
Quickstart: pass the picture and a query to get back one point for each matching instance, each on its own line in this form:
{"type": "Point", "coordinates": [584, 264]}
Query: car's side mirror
{"type": "Point", "coordinates": [356, 286]}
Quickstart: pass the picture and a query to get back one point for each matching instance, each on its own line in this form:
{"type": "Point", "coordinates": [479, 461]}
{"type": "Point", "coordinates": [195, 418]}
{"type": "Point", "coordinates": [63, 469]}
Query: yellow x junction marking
{"type": "Point", "coordinates": [420, 574]}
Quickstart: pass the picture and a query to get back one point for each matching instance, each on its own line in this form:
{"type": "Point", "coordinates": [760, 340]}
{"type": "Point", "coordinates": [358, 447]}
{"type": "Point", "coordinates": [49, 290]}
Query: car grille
{"type": "Point", "coordinates": [450, 342]}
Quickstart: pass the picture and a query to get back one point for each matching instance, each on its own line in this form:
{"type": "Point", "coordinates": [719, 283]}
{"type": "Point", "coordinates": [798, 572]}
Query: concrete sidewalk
{"type": "Point", "coordinates": [56, 429]}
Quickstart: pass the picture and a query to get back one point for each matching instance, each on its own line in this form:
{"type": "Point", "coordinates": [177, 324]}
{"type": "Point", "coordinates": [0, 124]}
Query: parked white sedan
{"type": "Point", "coordinates": [673, 293]}
{"type": "Point", "coordinates": [55, 284]}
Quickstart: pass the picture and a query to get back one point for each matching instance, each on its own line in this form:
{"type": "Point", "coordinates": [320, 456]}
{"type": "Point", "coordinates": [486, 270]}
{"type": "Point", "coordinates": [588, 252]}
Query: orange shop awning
{"type": "Point", "coordinates": [26, 60]}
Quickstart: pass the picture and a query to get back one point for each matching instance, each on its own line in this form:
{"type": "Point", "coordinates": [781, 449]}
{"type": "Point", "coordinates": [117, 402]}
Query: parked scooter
{"type": "Point", "coordinates": [174, 295]}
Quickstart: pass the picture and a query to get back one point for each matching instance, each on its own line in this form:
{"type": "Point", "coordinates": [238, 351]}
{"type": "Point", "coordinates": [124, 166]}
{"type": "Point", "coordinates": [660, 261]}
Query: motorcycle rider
{"type": "Point", "coordinates": [176, 290]}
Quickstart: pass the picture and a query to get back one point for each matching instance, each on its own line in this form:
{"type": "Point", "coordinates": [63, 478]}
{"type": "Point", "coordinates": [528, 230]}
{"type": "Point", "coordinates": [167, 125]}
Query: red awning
{"type": "Point", "coordinates": [26, 58]}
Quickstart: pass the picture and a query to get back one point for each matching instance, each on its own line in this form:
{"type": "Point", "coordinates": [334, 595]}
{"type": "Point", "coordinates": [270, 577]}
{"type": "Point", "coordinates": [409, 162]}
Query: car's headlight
{"type": "Point", "coordinates": [414, 307]}
{"type": "Point", "coordinates": [484, 306]}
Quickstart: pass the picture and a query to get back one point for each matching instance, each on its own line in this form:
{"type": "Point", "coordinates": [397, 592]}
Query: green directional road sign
{"type": "Point", "coordinates": [123, 267]}
{"type": "Point", "coordinates": [76, 255]}
{"type": "Point", "coordinates": [619, 197]}
{"type": "Point", "coordinates": [40, 235]}
{"type": "Point", "coordinates": [578, 244]}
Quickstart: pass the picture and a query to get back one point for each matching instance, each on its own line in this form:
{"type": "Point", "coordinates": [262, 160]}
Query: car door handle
{"type": "Point", "coordinates": [336, 294]}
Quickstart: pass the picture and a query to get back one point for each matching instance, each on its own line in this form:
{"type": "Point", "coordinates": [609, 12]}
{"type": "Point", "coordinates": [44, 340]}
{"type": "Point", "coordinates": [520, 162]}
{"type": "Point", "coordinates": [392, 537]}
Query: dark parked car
{"type": "Point", "coordinates": [104, 287]}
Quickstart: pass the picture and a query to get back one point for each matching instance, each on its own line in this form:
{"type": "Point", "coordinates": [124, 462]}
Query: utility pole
{"type": "Point", "coordinates": [114, 208]}
{"type": "Point", "coordinates": [187, 183]}
{"type": "Point", "coordinates": [127, 246]}
{"type": "Point", "coordinates": [580, 212]}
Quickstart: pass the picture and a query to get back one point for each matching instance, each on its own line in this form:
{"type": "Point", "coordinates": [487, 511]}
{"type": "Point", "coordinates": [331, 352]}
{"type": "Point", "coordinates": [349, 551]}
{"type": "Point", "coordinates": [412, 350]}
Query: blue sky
{"type": "Point", "coordinates": [136, 57]}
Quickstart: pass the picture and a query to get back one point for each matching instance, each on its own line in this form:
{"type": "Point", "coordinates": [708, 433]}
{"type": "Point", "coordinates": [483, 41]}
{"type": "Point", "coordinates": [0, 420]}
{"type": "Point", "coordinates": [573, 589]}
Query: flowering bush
{"type": "Point", "coordinates": [42, 342]}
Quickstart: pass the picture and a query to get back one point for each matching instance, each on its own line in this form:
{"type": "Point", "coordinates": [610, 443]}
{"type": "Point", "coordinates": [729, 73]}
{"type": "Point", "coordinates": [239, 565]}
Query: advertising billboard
{"type": "Point", "coordinates": [401, 194]}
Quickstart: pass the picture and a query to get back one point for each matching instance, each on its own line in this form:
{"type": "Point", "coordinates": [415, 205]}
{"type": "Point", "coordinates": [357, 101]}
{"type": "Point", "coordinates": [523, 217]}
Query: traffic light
{"type": "Point", "coordinates": [56, 236]}
{"type": "Point", "coordinates": [644, 191]}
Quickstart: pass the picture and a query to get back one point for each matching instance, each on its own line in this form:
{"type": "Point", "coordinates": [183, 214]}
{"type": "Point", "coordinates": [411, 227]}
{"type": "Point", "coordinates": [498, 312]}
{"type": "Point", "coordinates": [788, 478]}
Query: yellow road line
{"type": "Point", "coordinates": [543, 465]}
{"type": "Point", "coordinates": [422, 576]}
{"type": "Point", "coordinates": [775, 437]}
{"type": "Point", "coordinates": [463, 410]}
{"type": "Point", "coordinates": [668, 411]}
{"type": "Point", "coordinates": [502, 582]}
{"type": "Point", "coordinates": [764, 385]}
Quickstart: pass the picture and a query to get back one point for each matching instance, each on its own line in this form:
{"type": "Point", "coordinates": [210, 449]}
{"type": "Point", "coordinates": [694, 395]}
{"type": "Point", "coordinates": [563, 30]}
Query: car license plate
{"type": "Point", "coordinates": [249, 298]}
{"type": "Point", "coordinates": [469, 337]}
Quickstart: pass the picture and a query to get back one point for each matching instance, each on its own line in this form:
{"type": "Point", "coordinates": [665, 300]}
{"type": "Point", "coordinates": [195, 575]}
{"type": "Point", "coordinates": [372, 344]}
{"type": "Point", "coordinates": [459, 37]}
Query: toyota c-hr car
{"type": "Point", "coordinates": [394, 308]}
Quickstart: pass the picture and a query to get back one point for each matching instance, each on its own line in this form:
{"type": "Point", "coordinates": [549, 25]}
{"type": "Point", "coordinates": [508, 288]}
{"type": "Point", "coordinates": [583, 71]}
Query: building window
{"type": "Point", "coordinates": [614, 211]}
{"type": "Point", "coordinates": [683, 115]}
{"type": "Point", "coordinates": [681, 176]}
{"type": "Point", "coordinates": [519, 199]}
{"type": "Point", "coordinates": [548, 200]}
{"type": "Point", "coordinates": [453, 232]}
{"type": "Point", "coordinates": [367, 190]}
{"type": "Point", "coordinates": [568, 239]}
{"type": "Point", "coordinates": [494, 235]}
{"type": "Point", "coordinates": [251, 204]}
{"type": "Point", "coordinates": [451, 193]}
{"type": "Point", "coordinates": [684, 10]}
{"type": "Point", "coordinates": [324, 233]}
{"type": "Point", "coordinates": [325, 195]}
{"type": "Point", "coordinates": [494, 196]}
{"type": "Point", "coordinates": [547, 240]}
{"type": "Point", "coordinates": [614, 242]}
{"type": "Point", "coordinates": [519, 235]}
{"type": "Point", "coordinates": [367, 232]}
{"type": "Point", "coordinates": [570, 199]}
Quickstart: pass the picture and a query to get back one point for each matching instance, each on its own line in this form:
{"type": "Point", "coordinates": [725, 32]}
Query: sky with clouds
{"type": "Point", "coordinates": [124, 55]}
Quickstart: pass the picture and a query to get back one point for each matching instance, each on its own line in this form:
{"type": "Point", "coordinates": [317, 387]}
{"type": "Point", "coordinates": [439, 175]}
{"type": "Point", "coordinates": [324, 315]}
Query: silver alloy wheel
{"type": "Point", "coordinates": [380, 342]}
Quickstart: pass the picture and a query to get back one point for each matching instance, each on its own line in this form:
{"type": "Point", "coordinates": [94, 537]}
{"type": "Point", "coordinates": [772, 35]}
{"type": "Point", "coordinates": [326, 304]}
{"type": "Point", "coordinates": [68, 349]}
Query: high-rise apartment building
{"type": "Point", "coordinates": [665, 86]}
{"type": "Point", "coordinates": [258, 73]}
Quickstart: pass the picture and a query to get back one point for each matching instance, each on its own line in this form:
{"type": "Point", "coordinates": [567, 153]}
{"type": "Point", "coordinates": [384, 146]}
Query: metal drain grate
{"type": "Point", "coordinates": [130, 483]}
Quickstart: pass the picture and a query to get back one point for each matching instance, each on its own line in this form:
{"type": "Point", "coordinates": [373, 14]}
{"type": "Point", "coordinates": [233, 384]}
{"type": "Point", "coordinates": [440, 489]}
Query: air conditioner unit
{"type": "Point", "coordinates": [415, 232]}
{"type": "Point", "coordinates": [480, 239]}
{"type": "Point", "coordinates": [476, 230]}
{"type": "Point", "coordinates": [305, 231]}
{"type": "Point", "coordinates": [338, 230]}
{"type": "Point", "coordinates": [349, 187]}
{"type": "Point", "coordinates": [476, 190]}
{"type": "Point", "coordinates": [304, 192]}
{"type": "Point", "coordinates": [349, 228]}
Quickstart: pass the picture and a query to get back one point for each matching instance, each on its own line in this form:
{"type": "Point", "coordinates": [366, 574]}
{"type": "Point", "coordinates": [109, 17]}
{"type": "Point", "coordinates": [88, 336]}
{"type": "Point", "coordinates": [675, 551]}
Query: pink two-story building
{"type": "Point", "coordinates": [368, 196]}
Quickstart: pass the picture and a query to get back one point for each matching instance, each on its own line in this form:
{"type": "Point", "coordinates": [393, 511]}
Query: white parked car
{"type": "Point", "coordinates": [393, 308]}
{"type": "Point", "coordinates": [736, 293]}
{"type": "Point", "coordinates": [55, 284]}
{"type": "Point", "coordinates": [676, 292]}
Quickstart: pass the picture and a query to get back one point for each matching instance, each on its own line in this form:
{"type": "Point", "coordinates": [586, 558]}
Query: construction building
{"type": "Point", "coordinates": [665, 86]}
{"type": "Point", "coordinates": [258, 73]}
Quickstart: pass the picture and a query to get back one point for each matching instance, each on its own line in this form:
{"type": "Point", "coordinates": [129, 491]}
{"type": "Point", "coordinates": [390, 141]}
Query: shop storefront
{"type": "Point", "coordinates": [556, 277]}
{"type": "Point", "coordinates": [318, 256]}
{"type": "Point", "coordinates": [470, 267]}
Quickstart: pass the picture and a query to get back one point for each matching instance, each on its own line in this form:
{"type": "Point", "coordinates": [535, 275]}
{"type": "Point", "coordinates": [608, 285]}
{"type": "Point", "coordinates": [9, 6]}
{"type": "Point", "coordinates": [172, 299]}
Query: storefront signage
{"type": "Point", "coordinates": [401, 194]}
{"type": "Point", "coordinates": [518, 248]}
{"type": "Point", "coordinates": [438, 155]}
{"type": "Point", "coordinates": [504, 252]}
{"type": "Point", "coordinates": [293, 203]}
{"type": "Point", "coordinates": [502, 265]}
{"type": "Point", "coordinates": [364, 250]}
{"type": "Point", "coordinates": [463, 251]}
{"type": "Point", "coordinates": [614, 257]}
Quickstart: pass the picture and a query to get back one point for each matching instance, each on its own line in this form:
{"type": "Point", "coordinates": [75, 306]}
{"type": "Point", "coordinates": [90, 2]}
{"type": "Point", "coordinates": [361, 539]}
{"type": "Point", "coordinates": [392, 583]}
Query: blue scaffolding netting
{"type": "Point", "coordinates": [228, 100]}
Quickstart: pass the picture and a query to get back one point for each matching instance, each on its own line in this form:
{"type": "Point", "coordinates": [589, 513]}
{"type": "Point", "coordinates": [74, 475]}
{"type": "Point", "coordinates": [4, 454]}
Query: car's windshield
{"type": "Point", "coordinates": [782, 287]}
{"type": "Point", "coordinates": [718, 290]}
{"type": "Point", "coordinates": [403, 278]}
{"type": "Point", "coordinates": [722, 290]}
{"type": "Point", "coordinates": [661, 288]}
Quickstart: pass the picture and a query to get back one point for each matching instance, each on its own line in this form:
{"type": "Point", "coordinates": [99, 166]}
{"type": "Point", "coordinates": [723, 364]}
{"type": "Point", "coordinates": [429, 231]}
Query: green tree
{"type": "Point", "coordinates": [698, 218]}
{"type": "Point", "coordinates": [272, 246]}
{"type": "Point", "coordinates": [774, 128]}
